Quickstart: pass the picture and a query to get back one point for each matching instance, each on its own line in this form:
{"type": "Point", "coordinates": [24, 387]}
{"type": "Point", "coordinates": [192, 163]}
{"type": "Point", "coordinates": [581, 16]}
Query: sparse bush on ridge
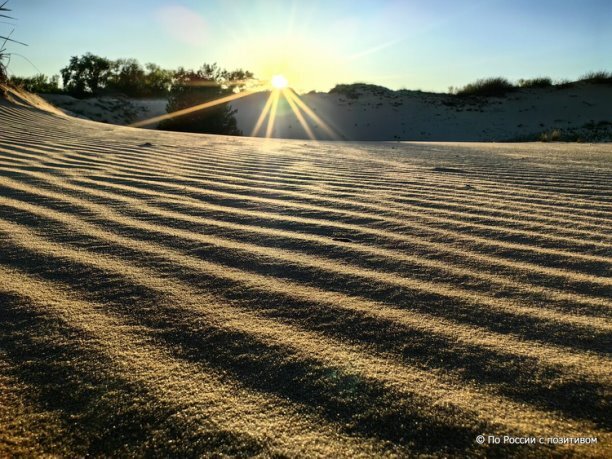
{"type": "Point", "coordinates": [355, 90]}
{"type": "Point", "coordinates": [600, 131]}
{"type": "Point", "coordinates": [599, 77]}
{"type": "Point", "coordinates": [541, 82]}
{"type": "Point", "coordinates": [565, 84]}
{"type": "Point", "coordinates": [550, 136]}
{"type": "Point", "coordinates": [487, 87]}
{"type": "Point", "coordinates": [40, 84]}
{"type": "Point", "coordinates": [497, 87]}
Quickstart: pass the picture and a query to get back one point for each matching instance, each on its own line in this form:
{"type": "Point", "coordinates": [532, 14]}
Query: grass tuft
{"type": "Point", "coordinates": [487, 87]}
{"type": "Point", "coordinates": [599, 77]}
{"type": "Point", "coordinates": [550, 136]}
{"type": "Point", "coordinates": [540, 82]}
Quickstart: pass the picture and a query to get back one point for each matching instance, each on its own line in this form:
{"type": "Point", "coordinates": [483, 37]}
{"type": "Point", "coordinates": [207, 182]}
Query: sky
{"type": "Point", "coordinates": [413, 44]}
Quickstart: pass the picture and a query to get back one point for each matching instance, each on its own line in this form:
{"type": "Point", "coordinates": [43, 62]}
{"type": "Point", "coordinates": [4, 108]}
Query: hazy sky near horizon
{"type": "Point", "coordinates": [416, 44]}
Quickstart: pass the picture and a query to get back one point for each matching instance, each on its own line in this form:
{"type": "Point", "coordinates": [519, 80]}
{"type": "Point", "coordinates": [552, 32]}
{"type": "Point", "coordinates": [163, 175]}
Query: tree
{"type": "Point", "coordinates": [128, 77]}
{"type": "Point", "coordinates": [40, 83]}
{"type": "Point", "coordinates": [158, 81]}
{"type": "Point", "coordinates": [86, 74]}
{"type": "Point", "coordinates": [209, 83]}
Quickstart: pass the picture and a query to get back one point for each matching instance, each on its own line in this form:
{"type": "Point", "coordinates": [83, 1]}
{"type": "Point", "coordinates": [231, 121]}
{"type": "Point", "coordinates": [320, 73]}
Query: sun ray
{"type": "Point", "coordinates": [269, 111]}
{"type": "Point", "coordinates": [272, 116]}
{"type": "Point", "coordinates": [298, 115]}
{"type": "Point", "coordinates": [263, 115]}
{"type": "Point", "coordinates": [195, 108]}
{"type": "Point", "coordinates": [291, 95]}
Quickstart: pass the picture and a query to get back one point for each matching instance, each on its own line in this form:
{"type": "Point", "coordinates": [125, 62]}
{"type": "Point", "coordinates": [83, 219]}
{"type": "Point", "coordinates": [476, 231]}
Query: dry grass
{"type": "Point", "coordinates": [175, 294]}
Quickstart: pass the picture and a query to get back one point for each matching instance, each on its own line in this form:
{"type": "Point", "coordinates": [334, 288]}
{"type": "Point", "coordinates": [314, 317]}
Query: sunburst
{"type": "Point", "coordinates": [279, 88]}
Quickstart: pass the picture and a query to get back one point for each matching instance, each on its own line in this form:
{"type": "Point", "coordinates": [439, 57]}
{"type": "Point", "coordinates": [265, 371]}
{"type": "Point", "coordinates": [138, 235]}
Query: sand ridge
{"type": "Point", "coordinates": [184, 294]}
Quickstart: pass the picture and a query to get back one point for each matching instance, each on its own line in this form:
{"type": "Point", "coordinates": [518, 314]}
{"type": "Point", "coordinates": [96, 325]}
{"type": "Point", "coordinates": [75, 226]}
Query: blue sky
{"type": "Point", "coordinates": [415, 44]}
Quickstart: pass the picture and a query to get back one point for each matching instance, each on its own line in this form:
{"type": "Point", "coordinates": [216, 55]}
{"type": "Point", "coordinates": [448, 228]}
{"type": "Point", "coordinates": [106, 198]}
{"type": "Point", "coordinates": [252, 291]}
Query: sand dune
{"type": "Point", "coordinates": [381, 114]}
{"type": "Point", "coordinates": [581, 111]}
{"type": "Point", "coordinates": [183, 294]}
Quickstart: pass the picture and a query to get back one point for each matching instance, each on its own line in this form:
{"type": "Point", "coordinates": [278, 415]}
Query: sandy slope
{"type": "Point", "coordinates": [113, 110]}
{"type": "Point", "coordinates": [415, 115]}
{"type": "Point", "coordinates": [183, 294]}
{"type": "Point", "coordinates": [584, 110]}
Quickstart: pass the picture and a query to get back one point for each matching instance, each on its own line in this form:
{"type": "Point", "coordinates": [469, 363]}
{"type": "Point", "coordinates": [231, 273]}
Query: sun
{"type": "Point", "coordinates": [279, 82]}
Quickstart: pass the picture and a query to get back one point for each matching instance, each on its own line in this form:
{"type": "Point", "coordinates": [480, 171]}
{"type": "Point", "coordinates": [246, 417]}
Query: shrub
{"type": "Point", "coordinates": [488, 87]}
{"type": "Point", "coordinates": [40, 83]}
{"type": "Point", "coordinates": [193, 88]}
{"type": "Point", "coordinates": [542, 82]}
{"type": "Point", "coordinates": [565, 84]}
{"type": "Point", "coordinates": [600, 77]}
{"type": "Point", "coordinates": [550, 136]}
{"type": "Point", "coordinates": [355, 90]}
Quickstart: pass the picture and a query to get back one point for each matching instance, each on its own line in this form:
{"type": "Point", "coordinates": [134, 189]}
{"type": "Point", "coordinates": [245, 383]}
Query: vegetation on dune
{"type": "Point", "coordinates": [4, 39]}
{"type": "Point", "coordinates": [355, 90]}
{"type": "Point", "coordinates": [487, 87]}
{"type": "Point", "coordinates": [541, 82]}
{"type": "Point", "coordinates": [499, 86]}
{"type": "Point", "coordinates": [39, 84]}
{"type": "Point", "coordinates": [192, 88]}
{"type": "Point", "coordinates": [92, 75]}
{"type": "Point", "coordinates": [592, 131]}
{"type": "Point", "coordinates": [550, 136]}
{"type": "Point", "coordinates": [599, 77]}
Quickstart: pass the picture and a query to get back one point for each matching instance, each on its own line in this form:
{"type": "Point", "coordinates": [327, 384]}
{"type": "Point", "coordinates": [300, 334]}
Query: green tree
{"type": "Point", "coordinates": [127, 76]}
{"type": "Point", "coordinates": [209, 83]}
{"type": "Point", "coordinates": [40, 83]}
{"type": "Point", "coordinates": [86, 74]}
{"type": "Point", "coordinates": [158, 81]}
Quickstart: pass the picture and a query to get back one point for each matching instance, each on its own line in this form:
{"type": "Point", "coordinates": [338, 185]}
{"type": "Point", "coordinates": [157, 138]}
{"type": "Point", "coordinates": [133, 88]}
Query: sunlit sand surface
{"type": "Point", "coordinates": [183, 294]}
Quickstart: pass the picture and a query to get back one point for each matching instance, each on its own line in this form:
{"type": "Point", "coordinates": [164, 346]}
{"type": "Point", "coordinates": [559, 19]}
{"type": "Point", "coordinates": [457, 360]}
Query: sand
{"type": "Point", "coordinates": [583, 111]}
{"type": "Point", "coordinates": [414, 115]}
{"type": "Point", "coordinates": [183, 294]}
{"type": "Point", "coordinates": [113, 110]}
